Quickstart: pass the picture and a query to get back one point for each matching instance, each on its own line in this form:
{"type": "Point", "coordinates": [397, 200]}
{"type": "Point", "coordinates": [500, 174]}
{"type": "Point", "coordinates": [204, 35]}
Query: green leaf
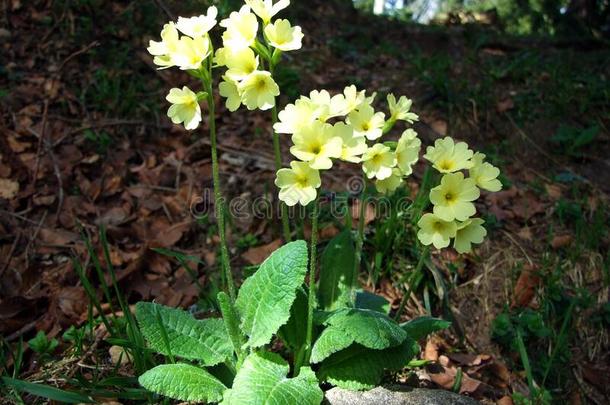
{"type": "Point", "coordinates": [371, 329]}
{"type": "Point", "coordinates": [262, 381]}
{"type": "Point", "coordinates": [205, 340]}
{"type": "Point", "coordinates": [293, 333]}
{"type": "Point", "coordinates": [359, 368]}
{"type": "Point", "coordinates": [421, 327]}
{"type": "Point", "coordinates": [183, 382]}
{"type": "Point", "coordinates": [374, 302]}
{"type": "Point", "coordinates": [46, 391]}
{"type": "Point", "coordinates": [265, 299]}
{"type": "Point", "coordinates": [331, 340]}
{"type": "Point", "coordinates": [337, 267]}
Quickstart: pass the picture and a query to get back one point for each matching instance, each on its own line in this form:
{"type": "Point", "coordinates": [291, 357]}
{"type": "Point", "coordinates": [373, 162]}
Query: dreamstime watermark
{"type": "Point", "coordinates": [263, 207]}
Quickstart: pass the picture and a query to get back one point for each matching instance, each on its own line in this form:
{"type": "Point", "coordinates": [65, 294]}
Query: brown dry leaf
{"type": "Point", "coordinates": [57, 236]}
{"type": "Point", "coordinates": [526, 234]}
{"type": "Point", "coordinates": [369, 213]}
{"type": "Point", "coordinates": [505, 400]}
{"type": "Point", "coordinates": [553, 191]}
{"type": "Point", "coordinates": [72, 301]}
{"type": "Point", "coordinates": [445, 377]}
{"type": "Point", "coordinates": [439, 126]}
{"type": "Point", "coordinates": [525, 288]}
{"type": "Point", "coordinates": [118, 355]}
{"type": "Point", "coordinates": [431, 350]}
{"type": "Point", "coordinates": [328, 232]}
{"type": "Point", "coordinates": [561, 241]}
{"type": "Point", "coordinates": [505, 105]}
{"type": "Point", "coordinates": [257, 255]}
{"type": "Point", "coordinates": [8, 188]}
{"type": "Point", "coordinates": [469, 359]}
{"type": "Point", "coordinates": [171, 235]}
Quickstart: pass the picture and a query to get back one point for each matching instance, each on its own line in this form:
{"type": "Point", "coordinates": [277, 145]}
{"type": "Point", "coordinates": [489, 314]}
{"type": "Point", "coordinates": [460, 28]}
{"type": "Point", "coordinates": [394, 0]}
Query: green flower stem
{"type": "Point", "coordinates": [218, 200]}
{"type": "Point", "coordinates": [278, 165]}
{"type": "Point", "coordinates": [231, 321]}
{"type": "Point", "coordinates": [312, 280]}
{"type": "Point", "coordinates": [410, 283]}
{"type": "Point", "coordinates": [359, 242]}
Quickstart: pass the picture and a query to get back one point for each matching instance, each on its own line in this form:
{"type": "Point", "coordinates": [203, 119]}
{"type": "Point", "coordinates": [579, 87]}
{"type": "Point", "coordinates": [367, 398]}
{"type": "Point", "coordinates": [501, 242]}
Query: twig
{"type": "Point", "coordinates": [60, 185]}
{"type": "Point", "coordinates": [10, 254]}
{"type": "Point", "coordinates": [165, 9]}
{"type": "Point", "coordinates": [40, 141]}
{"type": "Point", "coordinates": [22, 331]}
{"type": "Point", "coordinates": [75, 54]}
{"type": "Point", "coordinates": [35, 234]}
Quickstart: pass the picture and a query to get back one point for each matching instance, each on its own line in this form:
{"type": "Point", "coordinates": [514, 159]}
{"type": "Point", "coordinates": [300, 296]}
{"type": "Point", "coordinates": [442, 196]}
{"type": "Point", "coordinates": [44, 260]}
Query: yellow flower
{"type": "Point", "coordinates": [485, 174]}
{"type": "Point", "coordinates": [163, 50]}
{"type": "Point", "coordinates": [241, 29]}
{"type": "Point", "coordinates": [259, 90]}
{"type": "Point", "coordinates": [185, 107]}
{"type": "Point", "coordinates": [453, 198]}
{"type": "Point", "coordinates": [316, 143]}
{"type": "Point", "coordinates": [328, 107]}
{"type": "Point", "coordinates": [447, 156]}
{"type": "Point", "coordinates": [240, 64]}
{"type": "Point", "coordinates": [298, 184]}
{"type": "Point", "coordinates": [433, 230]}
{"type": "Point", "coordinates": [191, 52]}
{"type": "Point", "coordinates": [367, 122]}
{"type": "Point", "coordinates": [295, 116]}
{"type": "Point", "coordinates": [198, 26]}
{"type": "Point", "coordinates": [390, 184]}
{"type": "Point", "coordinates": [283, 36]}
{"type": "Point", "coordinates": [265, 9]}
{"type": "Point", "coordinates": [353, 98]}
{"type": "Point", "coordinates": [401, 110]}
{"type": "Point", "coordinates": [469, 232]}
{"type": "Point", "coordinates": [378, 162]}
{"type": "Point", "coordinates": [407, 151]}
{"type": "Point", "coordinates": [353, 147]}
{"type": "Point", "coordinates": [228, 89]}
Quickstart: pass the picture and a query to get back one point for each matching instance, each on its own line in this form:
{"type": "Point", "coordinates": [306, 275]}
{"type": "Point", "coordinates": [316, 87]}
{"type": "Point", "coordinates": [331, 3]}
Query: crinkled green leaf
{"type": "Point", "coordinates": [336, 271]}
{"type": "Point", "coordinates": [265, 299]}
{"type": "Point", "coordinates": [183, 382]}
{"type": "Point", "coordinates": [371, 329]}
{"type": "Point", "coordinates": [205, 340]}
{"type": "Point", "coordinates": [359, 368]}
{"type": "Point", "coordinates": [262, 380]}
{"type": "Point", "coordinates": [374, 302]}
{"type": "Point", "coordinates": [331, 340]}
{"type": "Point", "coordinates": [421, 327]}
{"type": "Point", "coordinates": [293, 333]}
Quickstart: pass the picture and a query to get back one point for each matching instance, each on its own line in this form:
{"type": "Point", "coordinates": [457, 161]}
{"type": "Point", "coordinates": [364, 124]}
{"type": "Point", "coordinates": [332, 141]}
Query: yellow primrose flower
{"type": "Point", "coordinates": [353, 98]}
{"type": "Point", "coordinates": [298, 184]}
{"type": "Point", "coordinates": [228, 89]}
{"type": "Point", "coordinates": [265, 9]}
{"type": "Point", "coordinates": [241, 29]}
{"type": "Point", "coordinates": [329, 107]}
{"type": "Point", "coordinates": [198, 26]}
{"type": "Point", "coordinates": [485, 174]}
{"type": "Point", "coordinates": [316, 143]}
{"type": "Point", "coordinates": [447, 156]}
{"type": "Point", "coordinates": [401, 110]}
{"type": "Point", "coordinates": [185, 107]}
{"type": "Point", "coordinates": [295, 116]}
{"type": "Point", "coordinates": [191, 52]}
{"type": "Point", "coordinates": [469, 232]}
{"type": "Point", "coordinates": [367, 122]}
{"type": "Point", "coordinates": [378, 162]}
{"type": "Point", "coordinates": [283, 36]}
{"type": "Point", "coordinates": [407, 151]}
{"type": "Point", "coordinates": [390, 184]}
{"type": "Point", "coordinates": [163, 50]}
{"type": "Point", "coordinates": [433, 230]}
{"type": "Point", "coordinates": [453, 198]}
{"type": "Point", "coordinates": [240, 64]}
{"type": "Point", "coordinates": [353, 147]}
{"type": "Point", "coordinates": [259, 90]}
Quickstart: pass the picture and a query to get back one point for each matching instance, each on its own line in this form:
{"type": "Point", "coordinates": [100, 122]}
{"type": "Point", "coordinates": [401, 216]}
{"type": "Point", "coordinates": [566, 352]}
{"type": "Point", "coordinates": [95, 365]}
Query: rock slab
{"type": "Point", "coordinates": [384, 396]}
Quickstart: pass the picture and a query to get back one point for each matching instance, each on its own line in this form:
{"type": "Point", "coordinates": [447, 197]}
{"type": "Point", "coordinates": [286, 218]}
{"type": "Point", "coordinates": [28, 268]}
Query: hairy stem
{"type": "Point", "coordinates": [312, 280]}
{"type": "Point", "coordinates": [218, 200]}
{"type": "Point", "coordinates": [359, 242]}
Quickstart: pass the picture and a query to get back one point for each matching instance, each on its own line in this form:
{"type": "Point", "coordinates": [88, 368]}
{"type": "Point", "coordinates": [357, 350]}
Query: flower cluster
{"type": "Point", "coordinates": [186, 44]}
{"type": "Point", "coordinates": [453, 199]}
{"type": "Point", "coordinates": [325, 128]}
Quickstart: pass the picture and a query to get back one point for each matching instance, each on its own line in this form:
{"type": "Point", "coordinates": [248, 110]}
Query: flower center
{"type": "Point", "coordinates": [315, 148]}
{"type": "Point", "coordinates": [437, 226]}
{"type": "Point", "coordinates": [302, 181]}
{"type": "Point", "coordinates": [446, 165]}
{"type": "Point", "coordinates": [376, 159]}
{"type": "Point", "coordinates": [366, 126]}
{"type": "Point", "coordinates": [261, 84]}
{"type": "Point", "coordinates": [449, 197]}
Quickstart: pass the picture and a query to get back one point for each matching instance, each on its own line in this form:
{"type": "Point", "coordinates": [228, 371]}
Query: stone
{"type": "Point", "coordinates": [396, 396]}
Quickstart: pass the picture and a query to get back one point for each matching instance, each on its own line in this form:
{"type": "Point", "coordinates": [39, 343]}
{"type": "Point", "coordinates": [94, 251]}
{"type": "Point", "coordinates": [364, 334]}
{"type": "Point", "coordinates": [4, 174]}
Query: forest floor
{"type": "Point", "coordinates": [85, 142]}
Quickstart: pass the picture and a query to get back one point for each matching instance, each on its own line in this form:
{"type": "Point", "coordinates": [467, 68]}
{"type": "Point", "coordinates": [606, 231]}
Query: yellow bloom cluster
{"type": "Point", "coordinates": [244, 83]}
{"type": "Point", "coordinates": [326, 127]}
{"type": "Point", "coordinates": [453, 199]}
{"type": "Point", "coordinates": [186, 44]}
